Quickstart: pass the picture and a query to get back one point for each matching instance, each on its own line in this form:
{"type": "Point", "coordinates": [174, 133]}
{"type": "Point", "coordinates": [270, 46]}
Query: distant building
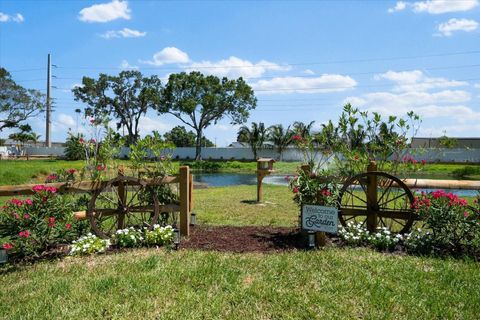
{"type": "Point", "coordinates": [472, 143]}
{"type": "Point", "coordinates": [13, 143]}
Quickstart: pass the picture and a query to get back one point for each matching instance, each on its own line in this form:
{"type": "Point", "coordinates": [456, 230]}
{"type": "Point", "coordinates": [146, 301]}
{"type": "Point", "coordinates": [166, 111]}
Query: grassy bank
{"type": "Point", "coordinates": [325, 284]}
{"type": "Point", "coordinates": [35, 171]}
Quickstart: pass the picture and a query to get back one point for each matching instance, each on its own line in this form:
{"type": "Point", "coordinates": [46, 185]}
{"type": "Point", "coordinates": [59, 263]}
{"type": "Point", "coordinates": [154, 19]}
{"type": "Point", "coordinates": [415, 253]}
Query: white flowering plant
{"type": "Point", "coordinates": [383, 239]}
{"type": "Point", "coordinates": [89, 244]}
{"type": "Point", "coordinates": [419, 242]}
{"type": "Point", "coordinates": [128, 238]}
{"type": "Point", "coordinates": [354, 234]}
{"type": "Point", "coordinates": [159, 236]}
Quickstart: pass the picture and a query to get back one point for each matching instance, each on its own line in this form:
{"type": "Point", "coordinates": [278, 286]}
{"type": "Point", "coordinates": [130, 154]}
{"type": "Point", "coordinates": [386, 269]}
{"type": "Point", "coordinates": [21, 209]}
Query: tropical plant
{"type": "Point", "coordinates": [255, 136]}
{"type": "Point", "coordinates": [280, 137]}
{"type": "Point", "coordinates": [74, 148]}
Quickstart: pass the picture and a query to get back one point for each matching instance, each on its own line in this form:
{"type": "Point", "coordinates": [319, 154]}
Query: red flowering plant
{"type": "Point", "coordinates": [453, 226]}
{"type": "Point", "coordinates": [30, 226]}
{"type": "Point", "coordinates": [66, 175]}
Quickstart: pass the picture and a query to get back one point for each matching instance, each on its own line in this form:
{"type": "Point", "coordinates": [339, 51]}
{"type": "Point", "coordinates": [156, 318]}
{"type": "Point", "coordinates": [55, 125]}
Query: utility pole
{"type": "Point", "coordinates": [48, 142]}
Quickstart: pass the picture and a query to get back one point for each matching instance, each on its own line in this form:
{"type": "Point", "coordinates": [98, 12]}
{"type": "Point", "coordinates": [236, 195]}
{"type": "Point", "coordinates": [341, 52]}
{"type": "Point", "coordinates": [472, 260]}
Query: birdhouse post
{"type": "Point", "coordinates": [264, 168]}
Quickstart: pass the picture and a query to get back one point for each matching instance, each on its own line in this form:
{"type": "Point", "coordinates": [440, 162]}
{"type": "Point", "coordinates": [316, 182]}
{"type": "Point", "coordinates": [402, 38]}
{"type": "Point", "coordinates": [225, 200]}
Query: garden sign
{"type": "Point", "coordinates": [320, 218]}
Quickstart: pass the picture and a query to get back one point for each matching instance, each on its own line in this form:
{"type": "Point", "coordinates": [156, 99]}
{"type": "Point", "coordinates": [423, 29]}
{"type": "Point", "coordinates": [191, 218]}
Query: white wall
{"type": "Point", "coordinates": [431, 155]}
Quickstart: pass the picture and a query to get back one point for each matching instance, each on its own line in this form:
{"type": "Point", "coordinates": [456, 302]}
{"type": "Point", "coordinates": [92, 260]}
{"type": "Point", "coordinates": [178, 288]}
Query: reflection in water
{"type": "Point", "coordinates": [234, 179]}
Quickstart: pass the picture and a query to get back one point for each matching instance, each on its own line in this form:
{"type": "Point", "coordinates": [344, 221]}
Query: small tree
{"type": "Point", "coordinates": [281, 137]}
{"type": "Point", "coordinates": [127, 97]}
{"type": "Point", "coordinates": [199, 101]}
{"type": "Point", "coordinates": [17, 104]}
{"type": "Point", "coordinates": [254, 136]}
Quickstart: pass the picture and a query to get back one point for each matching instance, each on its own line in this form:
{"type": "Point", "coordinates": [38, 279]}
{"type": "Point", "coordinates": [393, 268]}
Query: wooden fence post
{"type": "Point", "coordinates": [190, 190]}
{"type": "Point", "coordinates": [372, 198]}
{"type": "Point", "coordinates": [184, 179]}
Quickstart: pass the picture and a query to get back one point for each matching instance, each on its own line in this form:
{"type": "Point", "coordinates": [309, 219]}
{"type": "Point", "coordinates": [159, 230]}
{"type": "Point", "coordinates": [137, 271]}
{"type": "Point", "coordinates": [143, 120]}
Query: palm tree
{"type": "Point", "coordinates": [34, 138]}
{"type": "Point", "coordinates": [302, 129]}
{"type": "Point", "coordinates": [281, 137]}
{"type": "Point", "coordinates": [254, 136]}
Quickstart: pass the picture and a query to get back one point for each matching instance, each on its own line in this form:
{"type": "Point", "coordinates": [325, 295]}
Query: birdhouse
{"type": "Point", "coordinates": [264, 168]}
{"type": "Point", "coordinates": [265, 164]}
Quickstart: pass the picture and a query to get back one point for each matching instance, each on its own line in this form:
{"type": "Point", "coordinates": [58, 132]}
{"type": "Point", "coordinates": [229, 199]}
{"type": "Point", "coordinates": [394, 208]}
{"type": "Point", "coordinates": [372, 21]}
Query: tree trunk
{"type": "Point", "coordinates": [198, 146]}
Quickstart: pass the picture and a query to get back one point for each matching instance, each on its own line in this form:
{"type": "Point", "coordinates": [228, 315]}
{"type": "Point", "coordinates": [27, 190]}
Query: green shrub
{"type": "Point", "coordinates": [74, 149]}
{"type": "Point", "coordinates": [454, 228]}
{"type": "Point", "coordinates": [31, 226]}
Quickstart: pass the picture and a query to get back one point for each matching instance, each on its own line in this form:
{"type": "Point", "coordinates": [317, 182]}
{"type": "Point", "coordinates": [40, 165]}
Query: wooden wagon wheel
{"type": "Point", "coordinates": [377, 199]}
{"type": "Point", "coordinates": [121, 203]}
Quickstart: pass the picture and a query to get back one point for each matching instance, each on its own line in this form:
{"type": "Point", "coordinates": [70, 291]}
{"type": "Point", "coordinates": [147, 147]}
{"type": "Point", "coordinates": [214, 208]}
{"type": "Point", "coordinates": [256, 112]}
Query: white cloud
{"type": "Point", "coordinates": [105, 12]}
{"type": "Point", "coordinates": [411, 99]}
{"type": "Point", "coordinates": [124, 65]}
{"type": "Point", "coordinates": [399, 6]}
{"type": "Point", "coordinates": [168, 55]}
{"type": "Point", "coordinates": [308, 71]}
{"type": "Point", "coordinates": [324, 83]}
{"type": "Point", "coordinates": [148, 124]}
{"type": "Point", "coordinates": [124, 33]}
{"type": "Point", "coordinates": [436, 6]}
{"type": "Point", "coordinates": [7, 18]}
{"type": "Point", "coordinates": [415, 80]}
{"type": "Point", "coordinates": [454, 25]}
{"type": "Point", "coordinates": [444, 6]}
{"type": "Point", "coordinates": [477, 85]}
{"type": "Point", "coordinates": [447, 104]}
{"type": "Point", "coordinates": [235, 67]}
{"type": "Point", "coordinates": [65, 121]}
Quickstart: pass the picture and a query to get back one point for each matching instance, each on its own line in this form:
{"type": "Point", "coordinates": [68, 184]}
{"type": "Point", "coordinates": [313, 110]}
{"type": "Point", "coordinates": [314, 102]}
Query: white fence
{"type": "Point", "coordinates": [291, 154]}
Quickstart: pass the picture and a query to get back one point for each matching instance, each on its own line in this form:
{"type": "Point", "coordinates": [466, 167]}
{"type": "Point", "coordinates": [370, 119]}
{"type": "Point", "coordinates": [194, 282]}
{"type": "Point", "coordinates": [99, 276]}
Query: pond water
{"type": "Point", "coordinates": [234, 179]}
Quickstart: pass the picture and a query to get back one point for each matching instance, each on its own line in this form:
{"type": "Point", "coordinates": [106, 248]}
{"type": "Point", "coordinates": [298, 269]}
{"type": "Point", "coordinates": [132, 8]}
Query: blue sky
{"type": "Point", "coordinates": [304, 59]}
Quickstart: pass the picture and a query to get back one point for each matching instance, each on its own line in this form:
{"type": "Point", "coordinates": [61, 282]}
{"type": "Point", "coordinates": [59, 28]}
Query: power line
{"type": "Point", "coordinates": [289, 64]}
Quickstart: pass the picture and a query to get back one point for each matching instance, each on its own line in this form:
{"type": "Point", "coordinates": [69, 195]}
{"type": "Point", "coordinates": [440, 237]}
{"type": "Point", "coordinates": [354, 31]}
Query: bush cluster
{"type": "Point", "coordinates": [29, 227]}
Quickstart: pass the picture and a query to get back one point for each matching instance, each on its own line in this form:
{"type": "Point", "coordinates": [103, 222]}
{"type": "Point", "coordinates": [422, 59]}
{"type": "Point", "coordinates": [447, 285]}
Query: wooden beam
{"type": "Point", "coordinates": [75, 187]}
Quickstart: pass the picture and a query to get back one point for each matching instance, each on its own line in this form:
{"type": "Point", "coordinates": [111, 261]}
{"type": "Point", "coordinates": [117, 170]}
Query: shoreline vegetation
{"type": "Point", "coordinates": [35, 171]}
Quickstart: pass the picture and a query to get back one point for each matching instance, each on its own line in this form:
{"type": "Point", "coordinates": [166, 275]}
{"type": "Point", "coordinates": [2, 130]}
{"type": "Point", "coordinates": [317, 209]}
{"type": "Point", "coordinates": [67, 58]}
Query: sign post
{"type": "Point", "coordinates": [320, 219]}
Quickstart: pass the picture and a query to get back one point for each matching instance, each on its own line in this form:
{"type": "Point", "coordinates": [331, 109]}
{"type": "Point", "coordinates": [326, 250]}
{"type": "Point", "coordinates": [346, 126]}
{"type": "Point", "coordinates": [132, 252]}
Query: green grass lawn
{"type": "Point", "coordinates": [235, 206]}
{"type": "Point", "coordinates": [330, 283]}
{"type": "Point", "coordinates": [324, 284]}
{"type": "Point", "coordinates": [333, 283]}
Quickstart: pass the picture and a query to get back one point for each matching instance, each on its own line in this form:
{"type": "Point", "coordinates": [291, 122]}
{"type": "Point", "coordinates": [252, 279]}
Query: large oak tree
{"type": "Point", "coordinates": [199, 101]}
{"type": "Point", "coordinates": [126, 97]}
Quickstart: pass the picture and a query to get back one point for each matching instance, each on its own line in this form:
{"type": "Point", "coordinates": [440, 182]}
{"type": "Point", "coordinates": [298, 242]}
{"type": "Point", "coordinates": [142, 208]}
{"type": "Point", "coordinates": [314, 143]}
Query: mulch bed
{"type": "Point", "coordinates": [244, 239]}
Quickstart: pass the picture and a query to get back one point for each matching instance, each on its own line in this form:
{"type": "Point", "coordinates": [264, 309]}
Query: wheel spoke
{"type": "Point", "coordinates": [355, 196]}
{"type": "Point", "coordinates": [393, 199]}
{"type": "Point", "coordinates": [384, 192]}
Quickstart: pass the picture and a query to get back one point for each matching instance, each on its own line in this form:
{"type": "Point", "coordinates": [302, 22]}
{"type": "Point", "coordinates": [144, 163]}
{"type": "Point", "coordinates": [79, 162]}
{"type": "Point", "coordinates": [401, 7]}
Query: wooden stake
{"type": "Point", "coordinates": [372, 198]}
{"type": "Point", "coordinates": [184, 178]}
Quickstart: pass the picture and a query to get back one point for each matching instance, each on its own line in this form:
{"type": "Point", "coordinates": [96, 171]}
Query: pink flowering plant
{"type": "Point", "coordinates": [307, 188]}
{"type": "Point", "coordinates": [30, 226]}
{"type": "Point", "coordinates": [453, 226]}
